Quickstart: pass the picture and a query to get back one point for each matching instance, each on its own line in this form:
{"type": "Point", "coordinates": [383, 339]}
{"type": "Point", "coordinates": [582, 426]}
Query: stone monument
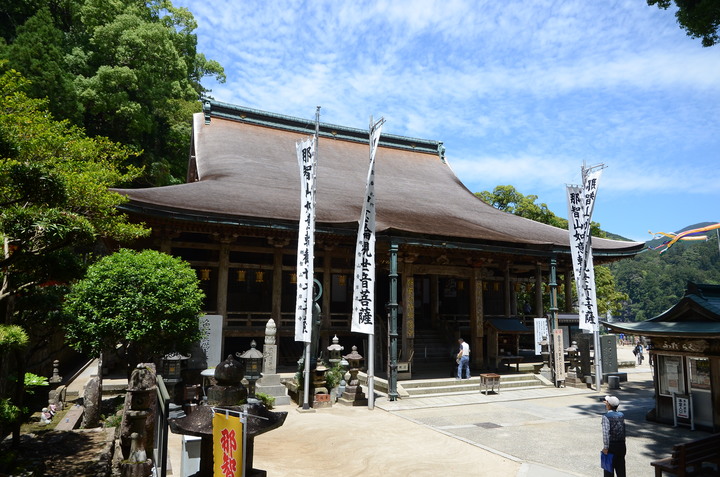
{"type": "Point", "coordinates": [270, 382]}
{"type": "Point", "coordinates": [92, 396]}
{"type": "Point", "coordinates": [138, 424]}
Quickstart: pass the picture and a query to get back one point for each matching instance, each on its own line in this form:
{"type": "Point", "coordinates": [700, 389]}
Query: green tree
{"type": "Point", "coordinates": [147, 302]}
{"type": "Point", "coordinates": [54, 192]}
{"type": "Point", "coordinates": [55, 203]}
{"type": "Point", "coordinates": [609, 298]}
{"type": "Point", "coordinates": [699, 18]}
{"type": "Point", "coordinates": [125, 69]}
{"type": "Point", "coordinates": [509, 199]}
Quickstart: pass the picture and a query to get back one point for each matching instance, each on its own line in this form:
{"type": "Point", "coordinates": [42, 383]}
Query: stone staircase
{"type": "Point", "coordinates": [451, 386]}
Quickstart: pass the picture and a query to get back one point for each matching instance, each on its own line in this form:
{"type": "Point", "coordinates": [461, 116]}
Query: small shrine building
{"type": "Point", "coordinates": [684, 348]}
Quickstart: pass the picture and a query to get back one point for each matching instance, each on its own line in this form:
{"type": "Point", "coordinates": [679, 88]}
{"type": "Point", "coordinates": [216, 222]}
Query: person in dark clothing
{"type": "Point", "coordinates": [613, 431]}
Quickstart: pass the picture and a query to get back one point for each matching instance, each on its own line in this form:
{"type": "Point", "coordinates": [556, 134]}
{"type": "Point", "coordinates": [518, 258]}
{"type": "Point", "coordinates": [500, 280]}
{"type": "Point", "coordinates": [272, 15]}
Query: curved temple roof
{"type": "Point", "coordinates": [243, 167]}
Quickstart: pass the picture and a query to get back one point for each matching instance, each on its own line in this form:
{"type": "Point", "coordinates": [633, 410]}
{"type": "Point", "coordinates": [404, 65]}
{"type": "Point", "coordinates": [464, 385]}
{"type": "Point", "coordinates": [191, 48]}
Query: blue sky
{"type": "Point", "coordinates": [520, 92]}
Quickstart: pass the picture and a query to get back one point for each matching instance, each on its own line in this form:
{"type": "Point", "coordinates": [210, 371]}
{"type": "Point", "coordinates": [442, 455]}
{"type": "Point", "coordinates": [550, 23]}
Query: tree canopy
{"type": "Point", "coordinates": [148, 302]}
{"type": "Point", "coordinates": [699, 18]}
{"type": "Point", "coordinates": [124, 69]}
{"type": "Point", "coordinates": [55, 203]}
{"type": "Point", "coordinates": [507, 198]}
{"type": "Point", "coordinates": [54, 192]}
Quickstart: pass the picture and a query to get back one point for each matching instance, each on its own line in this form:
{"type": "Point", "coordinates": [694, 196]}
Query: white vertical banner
{"type": "Point", "coordinates": [581, 202]}
{"type": "Point", "coordinates": [306, 240]}
{"type": "Point", "coordinates": [364, 277]}
{"type": "Point", "coordinates": [541, 332]}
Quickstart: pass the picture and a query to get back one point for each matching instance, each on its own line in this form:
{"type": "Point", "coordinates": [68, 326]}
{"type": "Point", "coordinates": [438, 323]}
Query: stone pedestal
{"type": "Point", "coordinates": [270, 384]}
{"type": "Point", "coordinates": [353, 395]}
{"type": "Point", "coordinates": [573, 380]}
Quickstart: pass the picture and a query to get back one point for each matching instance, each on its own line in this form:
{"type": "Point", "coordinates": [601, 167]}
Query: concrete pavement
{"type": "Point", "coordinates": [547, 432]}
{"type": "Point", "coordinates": [536, 432]}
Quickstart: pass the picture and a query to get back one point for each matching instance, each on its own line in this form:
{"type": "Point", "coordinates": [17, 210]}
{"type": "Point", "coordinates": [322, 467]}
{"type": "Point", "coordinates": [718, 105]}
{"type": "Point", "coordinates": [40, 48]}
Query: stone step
{"type": "Point", "coordinates": [505, 379]}
{"type": "Point", "coordinates": [474, 390]}
{"type": "Point", "coordinates": [465, 387]}
{"type": "Point", "coordinates": [439, 387]}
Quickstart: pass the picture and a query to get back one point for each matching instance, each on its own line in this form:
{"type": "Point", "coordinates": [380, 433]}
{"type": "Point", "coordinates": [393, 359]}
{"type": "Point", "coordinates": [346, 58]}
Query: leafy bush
{"type": "Point", "coordinates": [32, 380]}
{"type": "Point", "coordinates": [9, 412]}
{"type": "Point", "coordinates": [12, 337]}
{"type": "Point", "coordinates": [266, 399]}
{"type": "Point", "coordinates": [333, 376]}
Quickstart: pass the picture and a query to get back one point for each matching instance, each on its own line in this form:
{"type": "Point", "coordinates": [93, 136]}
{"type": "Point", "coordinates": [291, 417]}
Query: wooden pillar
{"type": "Point", "coordinates": [568, 291]}
{"type": "Point", "coordinates": [507, 297]}
{"type": "Point", "coordinates": [276, 312]}
{"type": "Point", "coordinates": [222, 280]}
{"type": "Point", "coordinates": [538, 292]}
{"type": "Point", "coordinates": [476, 320]}
{"type": "Point", "coordinates": [166, 238]}
{"type": "Point", "coordinates": [408, 317]}
{"type": "Point", "coordinates": [553, 294]}
{"type": "Point", "coordinates": [326, 300]}
{"type": "Point", "coordinates": [434, 300]}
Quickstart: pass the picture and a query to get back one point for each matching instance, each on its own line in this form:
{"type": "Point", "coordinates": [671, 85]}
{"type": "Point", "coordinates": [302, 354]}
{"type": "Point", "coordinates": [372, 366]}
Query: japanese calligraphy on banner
{"type": "Point", "coordinates": [581, 202]}
{"type": "Point", "coordinates": [228, 433]}
{"type": "Point", "coordinates": [306, 240]}
{"type": "Point", "coordinates": [364, 282]}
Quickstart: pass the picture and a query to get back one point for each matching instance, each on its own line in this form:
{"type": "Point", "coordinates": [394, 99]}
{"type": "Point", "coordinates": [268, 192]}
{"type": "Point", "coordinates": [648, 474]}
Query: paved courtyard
{"type": "Point", "coordinates": [546, 432]}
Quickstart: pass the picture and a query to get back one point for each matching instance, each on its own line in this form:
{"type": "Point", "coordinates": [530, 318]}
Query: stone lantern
{"type": "Point", "coordinates": [353, 394]}
{"type": "Point", "coordinates": [572, 378]}
{"type": "Point", "coordinates": [253, 364]}
{"type": "Point", "coordinates": [334, 352]}
{"type": "Point", "coordinates": [228, 389]}
{"type": "Point", "coordinates": [225, 395]}
{"type": "Point", "coordinates": [173, 365]}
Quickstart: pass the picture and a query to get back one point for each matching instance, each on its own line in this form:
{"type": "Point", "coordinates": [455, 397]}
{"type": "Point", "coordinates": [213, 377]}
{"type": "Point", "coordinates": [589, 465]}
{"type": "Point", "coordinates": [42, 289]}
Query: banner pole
{"type": "Point", "coordinates": [371, 371]}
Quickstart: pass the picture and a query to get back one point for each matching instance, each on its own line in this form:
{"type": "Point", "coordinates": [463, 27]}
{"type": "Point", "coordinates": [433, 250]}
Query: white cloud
{"type": "Point", "coordinates": [520, 92]}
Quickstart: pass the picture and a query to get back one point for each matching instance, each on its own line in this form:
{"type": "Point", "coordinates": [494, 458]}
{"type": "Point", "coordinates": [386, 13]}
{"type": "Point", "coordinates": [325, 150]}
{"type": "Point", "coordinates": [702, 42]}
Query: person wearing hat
{"type": "Point", "coordinates": [613, 430]}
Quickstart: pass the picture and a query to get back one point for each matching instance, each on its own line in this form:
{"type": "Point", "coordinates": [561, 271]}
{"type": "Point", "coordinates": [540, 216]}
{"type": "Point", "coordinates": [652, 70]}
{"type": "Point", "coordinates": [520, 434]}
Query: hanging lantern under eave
{"type": "Point", "coordinates": [241, 275]}
{"type": "Point", "coordinates": [204, 274]}
{"type": "Point", "coordinates": [293, 278]}
{"type": "Point", "coordinates": [342, 280]}
{"type": "Point", "coordinates": [259, 277]}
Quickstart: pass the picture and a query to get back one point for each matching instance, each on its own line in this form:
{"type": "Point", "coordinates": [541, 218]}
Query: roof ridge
{"type": "Point", "coordinates": [233, 112]}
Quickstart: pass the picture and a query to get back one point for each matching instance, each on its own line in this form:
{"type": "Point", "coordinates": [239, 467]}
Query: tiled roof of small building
{"type": "Point", "coordinates": [696, 314]}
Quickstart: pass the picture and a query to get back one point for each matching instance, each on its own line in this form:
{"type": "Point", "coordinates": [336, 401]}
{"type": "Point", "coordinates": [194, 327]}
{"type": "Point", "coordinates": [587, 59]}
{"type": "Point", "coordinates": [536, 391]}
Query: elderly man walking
{"type": "Point", "coordinates": [613, 431]}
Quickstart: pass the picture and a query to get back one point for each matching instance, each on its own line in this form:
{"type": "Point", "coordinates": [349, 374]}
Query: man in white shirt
{"type": "Point", "coordinates": [463, 359]}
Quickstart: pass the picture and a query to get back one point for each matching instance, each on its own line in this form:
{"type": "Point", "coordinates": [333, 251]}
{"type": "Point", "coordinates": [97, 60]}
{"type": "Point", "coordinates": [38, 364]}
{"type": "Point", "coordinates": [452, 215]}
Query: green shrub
{"type": "Point", "coordinates": [9, 412]}
{"type": "Point", "coordinates": [266, 399]}
{"type": "Point", "coordinates": [333, 376]}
